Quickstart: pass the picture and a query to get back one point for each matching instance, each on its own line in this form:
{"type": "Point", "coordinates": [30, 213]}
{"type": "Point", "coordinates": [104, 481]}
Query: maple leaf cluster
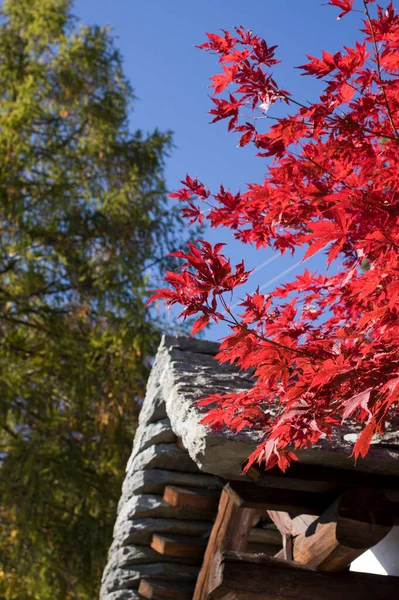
{"type": "Point", "coordinates": [324, 348]}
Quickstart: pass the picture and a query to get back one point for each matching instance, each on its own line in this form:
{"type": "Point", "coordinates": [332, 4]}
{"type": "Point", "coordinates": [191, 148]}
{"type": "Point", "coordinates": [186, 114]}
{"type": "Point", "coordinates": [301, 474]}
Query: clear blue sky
{"type": "Point", "coordinates": [170, 78]}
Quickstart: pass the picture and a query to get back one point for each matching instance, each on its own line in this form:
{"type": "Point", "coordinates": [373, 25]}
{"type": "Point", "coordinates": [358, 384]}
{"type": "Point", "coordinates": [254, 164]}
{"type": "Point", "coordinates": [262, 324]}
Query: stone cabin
{"type": "Point", "coordinates": [190, 525]}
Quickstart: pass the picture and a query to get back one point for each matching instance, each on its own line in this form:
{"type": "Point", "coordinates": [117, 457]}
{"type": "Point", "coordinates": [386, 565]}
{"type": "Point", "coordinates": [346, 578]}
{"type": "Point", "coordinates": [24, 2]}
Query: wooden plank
{"type": "Point", "coordinates": [163, 590]}
{"type": "Point", "coordinates": [316, 478]}
{"type": "Point", "coordinates": [288, 525]}
{"type": "Point", "coordinates": [250, 495]}
{"type": "Point", "coordinates": [230, 531]}
{"type": "Point", "coordinates": [182, 546]}
{"type": "Point", "coordinates": [192, 497]}
{"type": "Point", "coordinates": [355, 522]}
{"type": "Point", "coordinates": [237, 576]}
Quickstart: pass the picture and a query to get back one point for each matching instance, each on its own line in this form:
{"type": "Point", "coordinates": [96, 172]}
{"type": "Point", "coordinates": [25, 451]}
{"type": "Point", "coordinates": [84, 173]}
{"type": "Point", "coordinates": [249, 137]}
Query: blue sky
{"type": "Point", "coordinates": [170, 77]}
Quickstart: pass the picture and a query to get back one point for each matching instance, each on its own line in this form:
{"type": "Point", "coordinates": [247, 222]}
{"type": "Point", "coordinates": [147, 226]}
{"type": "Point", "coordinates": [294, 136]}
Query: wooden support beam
{"type": "Point", "coordinates": [250, 495]}
{"type": "Point", "coordinates": [355, 522]}
{"type": "Point", "coordinates": [237, 576]}
{"type": "Point", "coordinates": [315, 478]}
{"type": "Point", "coordinates": [182, 546]}
{"type": "Point", "coordinates": [230, 531]}
{"type": "Point", "coordinates": [192, 497]}
{"type": "Point", "coordinates": [165, 590]}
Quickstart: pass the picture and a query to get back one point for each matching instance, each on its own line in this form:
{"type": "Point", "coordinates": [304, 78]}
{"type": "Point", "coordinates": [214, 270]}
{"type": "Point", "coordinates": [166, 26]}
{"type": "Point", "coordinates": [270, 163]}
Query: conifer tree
{"type": "Point", "coordinates": [84, 224]}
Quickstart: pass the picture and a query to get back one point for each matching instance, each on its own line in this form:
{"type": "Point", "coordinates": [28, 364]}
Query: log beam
{"type": "Point", "coordinates": [358, 520]}
{"type": "Point", "coordinates": [315, 478]}
{"type": "Point", "coordinates": [179, 546]}
{"type": "Point", "coordinates": [237, 576]}
{"type": "Point", "coordinates": [192, 497]}
{"type": "Point", "coordinates": [250, 495]}
{"type": "Point", "coordinates": [164, 590]}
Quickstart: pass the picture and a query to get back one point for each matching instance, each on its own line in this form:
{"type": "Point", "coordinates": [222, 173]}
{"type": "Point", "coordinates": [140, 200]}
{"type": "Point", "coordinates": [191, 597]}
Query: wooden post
{"type": "Point", "coordinates": [237, 576]}
{"type": "Point", "coordinates": [355, 522]}
{"type": "Point", "coordinates": [230, 532]}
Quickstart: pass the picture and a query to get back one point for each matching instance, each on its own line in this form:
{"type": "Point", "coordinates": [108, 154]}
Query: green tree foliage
{"type": "Point", "coordinates": [84, 222]}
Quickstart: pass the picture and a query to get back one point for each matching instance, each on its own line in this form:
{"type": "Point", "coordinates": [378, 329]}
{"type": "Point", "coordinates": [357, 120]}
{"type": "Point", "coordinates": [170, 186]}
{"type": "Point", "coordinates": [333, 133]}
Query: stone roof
{"type": "Point", "coordinates": [184, 370]}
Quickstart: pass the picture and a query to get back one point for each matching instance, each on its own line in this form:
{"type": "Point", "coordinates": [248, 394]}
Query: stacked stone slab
{"type": "Point", "coordinates": [183, 371]}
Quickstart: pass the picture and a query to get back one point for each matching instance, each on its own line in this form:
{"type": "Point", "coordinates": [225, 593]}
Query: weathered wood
{"type": "Point", "coordinates": [355, 522]}
{"type": "Point", "coordinates": [315, 478]}
{"type": "Point", "coordinates": [247, 577]}
{"type": "Point", "coordinates": [288, 547]}
{"type": "Point", "coordinates": [250, 495]}
{"type": "Point", "coordinates": [192, 497]}
{"type": "Point", "coordinates": [163, 590]}
{"type": "Point", "coordinates": [290, 525]}
{"type": "Point", "coordinates": [265, 536]}
{"type": "Point", "coordinates": [230, 531]}
{"type": "Point", "coordinates": [183, 546]}
{"type": "Point", "coordinates": [269, 549]}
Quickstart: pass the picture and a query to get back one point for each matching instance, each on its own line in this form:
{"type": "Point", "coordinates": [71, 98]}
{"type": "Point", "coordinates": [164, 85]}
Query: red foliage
{"type": "Point", "coordinates": [324, 348]}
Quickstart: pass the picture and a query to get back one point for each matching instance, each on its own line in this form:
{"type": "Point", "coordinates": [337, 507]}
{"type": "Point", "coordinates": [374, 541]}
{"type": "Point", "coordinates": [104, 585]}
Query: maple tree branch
{"type": "Point", "coordinates": [379, 70]}
{"type": "Point", "coordinates": [387, 237]}
{"type": "Point", "coordinates": [257, 335]}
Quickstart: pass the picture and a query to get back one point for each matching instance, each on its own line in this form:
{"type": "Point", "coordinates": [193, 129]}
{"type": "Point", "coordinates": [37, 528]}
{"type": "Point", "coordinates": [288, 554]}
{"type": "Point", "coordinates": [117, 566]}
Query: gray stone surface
{"type": "Point", "coordinates": [123, 595]}
{"type": "Point", "coordinates": [139, 531]}
{"type": "Point", "coordinates": [125, 556]}
{"type": "Point", "coordinates": [132, 556]}
{"type": "Point", "coordinates": [164, 456]}
{"type": "Point", "coordinates": [154, 408]}
{"type": "Point", "coordinates": [152, 505]}
{"type": "Point", "coordinates": [153, 481]}
{"type": "Point", "coordinates": [149, 434]}
{"type": "Point", "coordinates": [186, 374]}
{"type": "Point", "coordinates": [129, 578]}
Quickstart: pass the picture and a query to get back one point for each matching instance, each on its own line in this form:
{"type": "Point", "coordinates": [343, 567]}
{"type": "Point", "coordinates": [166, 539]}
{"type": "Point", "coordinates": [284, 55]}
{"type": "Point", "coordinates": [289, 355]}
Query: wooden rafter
{"type": "Point", "coordinates": [316, 478]}
{"type": "Point", "coordinates": [236, 576]}
{"type": "Point", "coordinates": [250, 495]}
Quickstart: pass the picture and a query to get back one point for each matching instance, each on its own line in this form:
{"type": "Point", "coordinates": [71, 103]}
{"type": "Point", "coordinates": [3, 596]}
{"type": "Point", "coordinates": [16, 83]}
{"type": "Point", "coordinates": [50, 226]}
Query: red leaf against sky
{"type": "Point", "coordinates": [345, 5]}
{"type": "Point", "coordinates": [324, 347]}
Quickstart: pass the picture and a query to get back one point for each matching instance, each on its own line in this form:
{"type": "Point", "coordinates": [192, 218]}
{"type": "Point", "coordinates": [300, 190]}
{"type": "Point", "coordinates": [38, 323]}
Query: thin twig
{"type": "Point", "coordinates": [377, 56]}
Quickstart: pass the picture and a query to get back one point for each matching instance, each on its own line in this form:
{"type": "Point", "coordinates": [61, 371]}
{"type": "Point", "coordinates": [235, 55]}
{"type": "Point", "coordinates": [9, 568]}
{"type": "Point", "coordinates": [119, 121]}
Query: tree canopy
{"type": "Point", "coordinates": [84, 225]}
{"type": "Point", "coordinates": [324, 347]}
